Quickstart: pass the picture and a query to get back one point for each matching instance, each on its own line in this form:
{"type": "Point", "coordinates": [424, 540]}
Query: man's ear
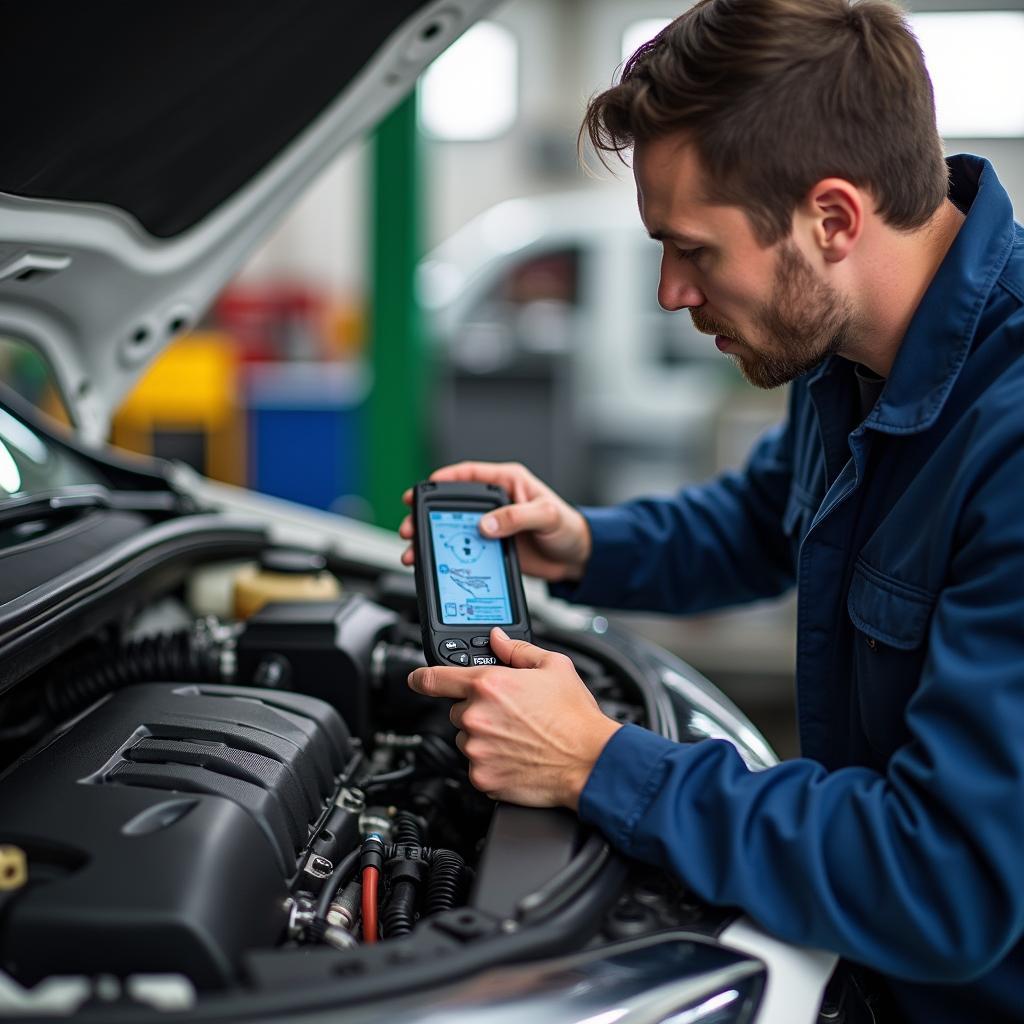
{"type": "Point", "coordinates": [833, 212]}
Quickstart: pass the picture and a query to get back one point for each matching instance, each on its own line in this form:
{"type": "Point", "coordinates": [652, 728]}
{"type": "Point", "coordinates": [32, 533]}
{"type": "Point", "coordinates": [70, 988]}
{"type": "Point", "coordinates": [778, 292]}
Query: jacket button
{"type": "Point", "coordinates": [871, 642]}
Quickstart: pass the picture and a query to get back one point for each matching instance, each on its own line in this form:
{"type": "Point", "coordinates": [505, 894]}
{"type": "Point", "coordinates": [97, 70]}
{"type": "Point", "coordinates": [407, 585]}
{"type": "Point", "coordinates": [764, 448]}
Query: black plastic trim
{"type": "Point", "coordinates": [39, 625]}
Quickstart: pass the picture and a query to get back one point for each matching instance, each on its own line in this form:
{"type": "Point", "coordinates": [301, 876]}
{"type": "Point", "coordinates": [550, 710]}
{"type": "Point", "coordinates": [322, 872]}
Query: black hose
{"type": "Point", "coordinates": [398, 775]}
{"type": "Point", "coordinates": [408, 829]}
{"type": "Point", "coordinates": [339, 876]}
{"type": "Point", "coordinates": [400, 912]}
{"type": "Point", "coordinates": [405, 870]}
{"type": "Point", "coordinates": [445, 883]}
{"type": "Point", "coordinates": [181, 657]}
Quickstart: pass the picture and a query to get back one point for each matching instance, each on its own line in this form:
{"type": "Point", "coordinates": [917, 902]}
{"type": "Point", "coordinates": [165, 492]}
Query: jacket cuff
{"type": "Point", "coordinates": [612, 553]}
{"type": "Point", "coordinates": [626, 777]}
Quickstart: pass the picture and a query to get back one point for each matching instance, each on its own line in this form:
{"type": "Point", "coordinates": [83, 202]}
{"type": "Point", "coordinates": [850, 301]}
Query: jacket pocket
{"type": "Point", "coordinates": [889, 610]}
{"type": "Point", "coordinates": [891, 620]}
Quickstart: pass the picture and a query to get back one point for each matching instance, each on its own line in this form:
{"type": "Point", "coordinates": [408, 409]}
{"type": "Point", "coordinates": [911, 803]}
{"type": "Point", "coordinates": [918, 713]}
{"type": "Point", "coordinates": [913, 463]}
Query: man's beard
{"type": "Point", "coordinates": [805, 322]}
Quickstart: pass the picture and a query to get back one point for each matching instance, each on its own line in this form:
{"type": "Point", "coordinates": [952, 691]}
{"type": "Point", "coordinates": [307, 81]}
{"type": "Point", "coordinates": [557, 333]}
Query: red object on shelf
{"type": "Point", "coordinates": [279, 321]}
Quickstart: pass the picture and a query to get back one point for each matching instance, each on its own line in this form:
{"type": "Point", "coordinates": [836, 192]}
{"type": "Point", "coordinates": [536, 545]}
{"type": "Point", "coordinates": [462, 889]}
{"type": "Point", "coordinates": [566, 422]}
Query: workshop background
{"type": "Point", "coordinates": [456, 286]}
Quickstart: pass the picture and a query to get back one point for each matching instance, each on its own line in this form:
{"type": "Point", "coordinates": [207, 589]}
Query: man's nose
{"type": "Point", "coordinates": [677, 288]}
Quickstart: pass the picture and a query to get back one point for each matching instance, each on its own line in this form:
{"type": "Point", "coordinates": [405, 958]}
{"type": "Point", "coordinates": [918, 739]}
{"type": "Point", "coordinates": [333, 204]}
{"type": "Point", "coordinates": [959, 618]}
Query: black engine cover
{"type": "Point", "coordinates": [160, 831]}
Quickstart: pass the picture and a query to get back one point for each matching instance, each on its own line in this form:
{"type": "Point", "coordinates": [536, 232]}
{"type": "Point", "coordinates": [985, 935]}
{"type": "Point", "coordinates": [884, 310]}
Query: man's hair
{"type": "Point", "coordinates": [779, 94]}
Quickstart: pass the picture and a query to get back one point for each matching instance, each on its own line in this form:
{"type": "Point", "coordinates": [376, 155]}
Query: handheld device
{"type": "Point", "coordinates": [465, 582]}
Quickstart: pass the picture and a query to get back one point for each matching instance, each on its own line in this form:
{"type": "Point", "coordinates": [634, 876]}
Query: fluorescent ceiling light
{"type": "Point", "coordinates": [640, 32]}
{"type": "Point", "coordinates": [974, 59]}
{"type": "Point", "coordinates": [471, 91]}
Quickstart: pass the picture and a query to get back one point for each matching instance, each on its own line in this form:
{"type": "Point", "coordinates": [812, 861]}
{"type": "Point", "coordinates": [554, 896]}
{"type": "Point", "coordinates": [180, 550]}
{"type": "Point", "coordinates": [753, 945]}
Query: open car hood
{"type": "Point", "coordinates": [150, 150]}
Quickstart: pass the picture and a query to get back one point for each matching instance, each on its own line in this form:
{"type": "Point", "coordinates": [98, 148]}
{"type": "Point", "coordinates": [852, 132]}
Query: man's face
{"type": "Point", "coordinates": [767, 307]}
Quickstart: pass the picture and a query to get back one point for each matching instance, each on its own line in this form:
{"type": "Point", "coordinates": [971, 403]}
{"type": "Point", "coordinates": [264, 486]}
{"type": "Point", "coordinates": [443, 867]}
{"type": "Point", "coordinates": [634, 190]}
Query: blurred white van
{"type": "Point", "coordinates": [552, 349]}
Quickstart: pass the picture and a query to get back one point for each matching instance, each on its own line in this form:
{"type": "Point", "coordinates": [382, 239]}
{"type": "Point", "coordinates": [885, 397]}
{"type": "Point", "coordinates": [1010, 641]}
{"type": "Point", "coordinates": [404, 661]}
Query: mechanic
{"type": "Point", "coordinates": [787, 159]}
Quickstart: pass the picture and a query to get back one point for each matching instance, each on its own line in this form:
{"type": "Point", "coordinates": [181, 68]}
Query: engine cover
{"type": "Point", "coordinates": [160, 830]}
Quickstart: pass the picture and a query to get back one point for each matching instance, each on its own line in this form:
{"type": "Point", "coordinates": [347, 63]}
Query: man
{"type": "Point", "coordinates": [786, 157]}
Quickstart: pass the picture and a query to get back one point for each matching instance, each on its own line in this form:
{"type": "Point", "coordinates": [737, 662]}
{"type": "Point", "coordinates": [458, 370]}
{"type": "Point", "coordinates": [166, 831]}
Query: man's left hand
{"type": "Point", "coordinates": [532, 731]}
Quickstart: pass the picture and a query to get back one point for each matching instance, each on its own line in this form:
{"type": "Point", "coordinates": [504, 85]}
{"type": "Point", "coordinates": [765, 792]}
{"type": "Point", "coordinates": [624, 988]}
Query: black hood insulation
{"type": "Point", "coordinates": [166, 112]}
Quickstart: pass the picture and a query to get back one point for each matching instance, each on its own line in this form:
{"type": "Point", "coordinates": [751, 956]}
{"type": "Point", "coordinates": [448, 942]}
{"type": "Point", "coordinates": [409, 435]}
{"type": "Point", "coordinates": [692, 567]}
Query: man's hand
{"type": "Point", "coordinates": [552, 538]}
{"type": "Point", "coordinates": [532, 732]}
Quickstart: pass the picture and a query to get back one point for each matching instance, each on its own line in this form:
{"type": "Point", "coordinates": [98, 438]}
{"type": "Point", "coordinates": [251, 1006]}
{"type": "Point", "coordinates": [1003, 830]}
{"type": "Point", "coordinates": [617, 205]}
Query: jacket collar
{"type": "Point", "coordinates": [938, 340]}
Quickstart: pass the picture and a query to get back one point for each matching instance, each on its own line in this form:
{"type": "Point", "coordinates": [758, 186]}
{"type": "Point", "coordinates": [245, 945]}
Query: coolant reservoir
{"type": "Point", "coordinates": [283, 574]}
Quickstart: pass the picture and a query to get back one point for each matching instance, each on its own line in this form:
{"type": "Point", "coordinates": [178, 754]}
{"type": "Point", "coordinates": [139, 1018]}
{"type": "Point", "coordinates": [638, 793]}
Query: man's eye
{"type": "Point", "coordinates": [689, 254]}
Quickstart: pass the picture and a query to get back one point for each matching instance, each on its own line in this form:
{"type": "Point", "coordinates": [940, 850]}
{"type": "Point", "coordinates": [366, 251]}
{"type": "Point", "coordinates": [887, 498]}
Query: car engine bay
{"type": "Point", "coordinates": [228, 788]}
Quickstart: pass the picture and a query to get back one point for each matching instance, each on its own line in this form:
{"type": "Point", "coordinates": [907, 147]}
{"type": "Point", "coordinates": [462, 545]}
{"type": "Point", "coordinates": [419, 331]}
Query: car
{"type": "Point", "coordinates": [218, 797]}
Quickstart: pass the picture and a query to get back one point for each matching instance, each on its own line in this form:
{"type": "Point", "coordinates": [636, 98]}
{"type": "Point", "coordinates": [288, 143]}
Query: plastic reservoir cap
{"type": "Point", "coordinates": [283, 574]}
{"type": "Point", "coordinates": [292, 561]}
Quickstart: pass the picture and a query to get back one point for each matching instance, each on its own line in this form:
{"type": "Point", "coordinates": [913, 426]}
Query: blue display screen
{"type": "Point", "coordinates": [471, 584]}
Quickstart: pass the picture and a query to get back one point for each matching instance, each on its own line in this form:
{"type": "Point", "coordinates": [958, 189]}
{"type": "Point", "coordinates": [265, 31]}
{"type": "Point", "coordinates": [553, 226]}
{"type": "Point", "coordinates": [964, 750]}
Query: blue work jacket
{"type": "Point", "coordinates": [897, 838]}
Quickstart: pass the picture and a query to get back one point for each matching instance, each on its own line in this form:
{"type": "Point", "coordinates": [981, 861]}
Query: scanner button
{"type": "Point", "coordinates": [484, 659]}
{"type": "Point", "coordinates": [481, 641]}
{"type": "Point", "coordinates": [454, 644]}
{"type": "Point", "coordinates": [462, 658]}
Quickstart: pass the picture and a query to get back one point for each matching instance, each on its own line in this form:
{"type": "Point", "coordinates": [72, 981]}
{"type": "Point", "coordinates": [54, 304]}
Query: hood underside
{"type": "Point", "coordinates": [151, 149]}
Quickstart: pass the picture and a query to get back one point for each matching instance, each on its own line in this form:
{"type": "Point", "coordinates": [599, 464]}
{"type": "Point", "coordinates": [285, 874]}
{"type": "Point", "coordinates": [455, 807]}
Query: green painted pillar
{"type": "Point", "coordinates": [397, 424]}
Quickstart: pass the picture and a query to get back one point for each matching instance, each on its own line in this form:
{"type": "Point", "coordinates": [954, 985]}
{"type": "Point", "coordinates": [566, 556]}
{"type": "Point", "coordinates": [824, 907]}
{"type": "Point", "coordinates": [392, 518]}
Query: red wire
{"type": "Point", "coordinates": [370, 878]}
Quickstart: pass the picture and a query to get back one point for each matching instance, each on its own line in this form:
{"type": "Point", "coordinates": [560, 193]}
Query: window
{"type": "Point", "coordinates": [471, 92]}
{"type": "Point", "coordinates": [974, 61]}
{"type": "Point", "coordinates": [972, 56]}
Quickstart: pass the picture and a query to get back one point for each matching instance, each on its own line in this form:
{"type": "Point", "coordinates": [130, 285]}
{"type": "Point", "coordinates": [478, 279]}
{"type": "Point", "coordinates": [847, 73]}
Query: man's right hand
{"type": "Point", "coordinates": [552, 538]}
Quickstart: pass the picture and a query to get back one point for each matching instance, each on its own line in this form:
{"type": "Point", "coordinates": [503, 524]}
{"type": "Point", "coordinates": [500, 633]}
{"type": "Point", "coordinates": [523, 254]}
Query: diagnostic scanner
{"type": "Point", "coordinates": [466, 583]}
